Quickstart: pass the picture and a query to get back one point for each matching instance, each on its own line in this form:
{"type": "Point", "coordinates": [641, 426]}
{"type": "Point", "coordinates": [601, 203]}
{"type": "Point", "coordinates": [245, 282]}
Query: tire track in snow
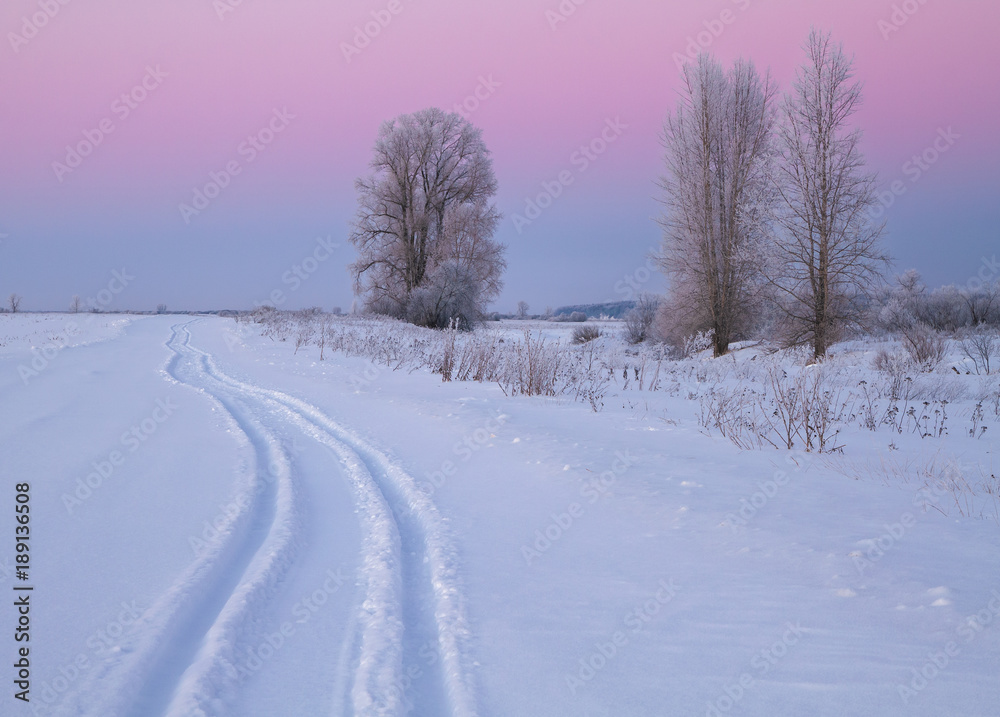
{"type": "Point", "coordinates": [378, 660]}
{"type": "Point", "coordinates": [175, 661]}
{"type": "Point", "coordinates": [203, 687]}
{"type": "Point", "coordinates": [381, 481]}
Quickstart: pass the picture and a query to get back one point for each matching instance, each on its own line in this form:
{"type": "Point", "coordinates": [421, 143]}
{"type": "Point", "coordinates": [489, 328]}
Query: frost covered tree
{"type": "Point", "coordinates": [983, 304]}
{"type": "Point", "coordinates": [426, 218]}
{"type": "Point", "coordinates": [828, 258]}
{"type": "Point", "coordinates": [946, 309]}
{"type": "Point", "coordinates": [717, 191]}
{"type": "Point", "coordinates": [639, 320]}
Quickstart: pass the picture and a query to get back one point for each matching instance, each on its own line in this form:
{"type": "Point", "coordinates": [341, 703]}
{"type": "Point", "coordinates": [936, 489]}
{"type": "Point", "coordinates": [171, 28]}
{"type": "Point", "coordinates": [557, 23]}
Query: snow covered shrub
{"type": "Point", "coordinates": [386, 306]}
{"type": "Point", "coordinates": [639, 321]}
{"type": "Point", "coordinates": [323, 334]}
{"type": "Point", "coordinates": [696, 343]}
{"type": "Point", "coordinates": [305, 331]}
{"type": "Point", "coordinates": [983, 305]}
{"type": "Point", "coordinates": [803, 409]}
{"type": "Point", "coordinates": [981, 345]}
{"type": "Point", "coordinates": [895, 315]}
{"type": "Point", "coordinates": [824, 409]}
{"type": "Point", "coordinates": [583, 334]}
{"type": "Point", "coordinates": [732, 413]}
{"type": "Point", "coordinates": [925, 347]}
{"type": "Point", "coordinates": [533, 368]}
{"type": "Point", "coordinates": [422, 308]}
{"type": "Point", "coordinates": [944, 309]}
{"type": "Point", "coordinates": [446, 365]}
{"type": "Point", "coordinates": [586, 374]}
{"type": "Point", "coordinates": [275, 324]}
{"type": "Point", "coordinates": [894, 368]}
{"type": "Point", "coordinates": [480, 357]}
{"type": "Point", "coordinates": [450, 295]}
{"type": "Point", "coordinates": [891, 362]}
{"type": "Point", "coordinates": [577, 317]}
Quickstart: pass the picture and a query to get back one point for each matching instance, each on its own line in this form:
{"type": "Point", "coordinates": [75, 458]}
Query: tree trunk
{"type": "Point", "coordinates": [720, 342]}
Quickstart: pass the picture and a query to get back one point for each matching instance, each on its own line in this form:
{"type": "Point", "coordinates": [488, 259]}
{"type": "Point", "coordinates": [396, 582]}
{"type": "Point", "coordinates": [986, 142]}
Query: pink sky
{"type": "Point", "coordinates": [556, 87]}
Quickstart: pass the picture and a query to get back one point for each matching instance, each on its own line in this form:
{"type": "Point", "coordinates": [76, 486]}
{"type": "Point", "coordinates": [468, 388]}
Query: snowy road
{"type": "Point", "coordinates": [225, 528]}
{"type": "Point", "coordinates": [410, 584]}
{"type": "Point", "coordinates": [184, 657]}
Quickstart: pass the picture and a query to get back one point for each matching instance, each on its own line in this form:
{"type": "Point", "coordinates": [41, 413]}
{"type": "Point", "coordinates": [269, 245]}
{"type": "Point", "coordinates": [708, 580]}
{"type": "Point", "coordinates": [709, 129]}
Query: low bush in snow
{"type": "Point", "coordinates": [583, 334]}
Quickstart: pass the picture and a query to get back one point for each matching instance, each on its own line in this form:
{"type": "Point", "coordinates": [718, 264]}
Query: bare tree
{"type": "Point", "coordinates": [425, 209]}
{"type": "Point", "coordinates": [75, 304]}
{"type": "Point", "coordinates": [14, 301]}
{"type": "Point", "coordinates": [829, 259]}
{"type": "Point", "coordinates": [717, 190]}
{"type": "Point", "coordinates": [522, 309]}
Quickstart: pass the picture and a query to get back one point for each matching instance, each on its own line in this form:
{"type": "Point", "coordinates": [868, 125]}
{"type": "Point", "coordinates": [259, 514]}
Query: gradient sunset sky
{"type": "Point", "coordinates": [551, 82]}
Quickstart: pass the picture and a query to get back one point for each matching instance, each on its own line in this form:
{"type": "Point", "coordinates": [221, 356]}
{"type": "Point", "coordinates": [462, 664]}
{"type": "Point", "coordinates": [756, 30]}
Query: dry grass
{"type": "Point", "coordinates": [940, 483]}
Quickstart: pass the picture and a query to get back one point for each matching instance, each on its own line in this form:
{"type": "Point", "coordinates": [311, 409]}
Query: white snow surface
{"type": "Point", "coordinates": [222, 527]}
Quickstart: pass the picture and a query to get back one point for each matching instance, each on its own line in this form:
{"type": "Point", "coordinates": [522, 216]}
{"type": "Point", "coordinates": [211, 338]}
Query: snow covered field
{"type": "Point", "coordinates": [48, 332]}
{"type": "Point", "coordinates": [222, 525]}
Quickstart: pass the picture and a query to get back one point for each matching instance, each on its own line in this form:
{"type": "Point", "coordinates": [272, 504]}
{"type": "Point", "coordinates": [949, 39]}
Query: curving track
{"type": "Point", "coordinates": [179, 660]}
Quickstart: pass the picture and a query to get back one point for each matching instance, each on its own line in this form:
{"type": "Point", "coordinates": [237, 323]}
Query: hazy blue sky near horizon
{"type": "Point", "coordinates": [313, 84]}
